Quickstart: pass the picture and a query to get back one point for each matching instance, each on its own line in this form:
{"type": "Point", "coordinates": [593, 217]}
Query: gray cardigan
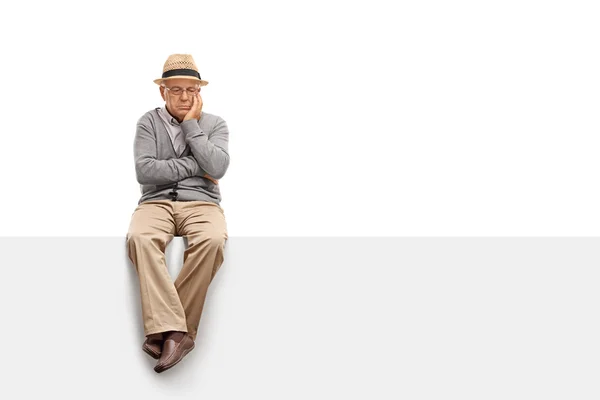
{"type": "Point", "coordinates": [161, 173]}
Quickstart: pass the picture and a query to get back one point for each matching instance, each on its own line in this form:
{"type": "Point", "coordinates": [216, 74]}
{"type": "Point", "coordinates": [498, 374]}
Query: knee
{"type": "Point", "coordinates": [137, 236]}
{"type": "Point", "coordinates": [212, 239]}
{"type": "Point", "coordinates": [145, 238]}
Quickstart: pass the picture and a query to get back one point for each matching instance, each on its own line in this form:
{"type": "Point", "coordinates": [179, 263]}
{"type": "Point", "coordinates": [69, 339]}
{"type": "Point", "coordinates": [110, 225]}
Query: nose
{"type": "Point", "coordinates": [184, 95]}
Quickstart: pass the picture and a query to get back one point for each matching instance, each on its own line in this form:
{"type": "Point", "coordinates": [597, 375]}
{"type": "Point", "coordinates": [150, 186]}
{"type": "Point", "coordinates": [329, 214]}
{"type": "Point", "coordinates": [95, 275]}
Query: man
{"type": "Point", "coordinates": [180, 153]}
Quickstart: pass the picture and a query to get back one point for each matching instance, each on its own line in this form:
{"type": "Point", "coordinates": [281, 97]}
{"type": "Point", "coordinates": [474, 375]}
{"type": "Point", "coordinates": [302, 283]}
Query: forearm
{"type": "Point", "coordinates": [152, 171]}
{"type": "Point", "coordinates": [203, 174]}
{"type": "Point", "coordinates": [211, 155]}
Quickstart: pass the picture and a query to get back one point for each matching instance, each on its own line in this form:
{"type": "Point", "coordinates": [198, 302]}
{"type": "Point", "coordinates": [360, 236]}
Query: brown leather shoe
{"type": "Point", "coordinates": [153, 345]}
{"type": "Point", "coordinates": [175, 346]}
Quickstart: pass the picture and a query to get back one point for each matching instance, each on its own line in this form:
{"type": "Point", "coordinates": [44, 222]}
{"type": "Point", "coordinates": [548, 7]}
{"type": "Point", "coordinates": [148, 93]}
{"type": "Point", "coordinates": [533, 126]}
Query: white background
{"type": "Point", "coordinates": [346, 118]}
{"type": "Point", "coordinates": [421, 118]}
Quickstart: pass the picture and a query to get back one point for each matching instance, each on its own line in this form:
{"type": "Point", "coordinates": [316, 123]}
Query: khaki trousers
{"type": "Point", "coordinates": [168, 305]}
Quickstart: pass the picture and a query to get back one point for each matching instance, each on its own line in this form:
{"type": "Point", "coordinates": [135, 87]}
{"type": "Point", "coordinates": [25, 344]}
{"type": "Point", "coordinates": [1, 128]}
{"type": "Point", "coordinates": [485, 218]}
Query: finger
{"type": "Point", "coordinates": [216, 182]}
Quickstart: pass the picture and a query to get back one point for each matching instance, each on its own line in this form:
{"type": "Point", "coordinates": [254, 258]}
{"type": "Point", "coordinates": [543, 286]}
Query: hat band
{"type": "Point", "coordinates": [183, 71]}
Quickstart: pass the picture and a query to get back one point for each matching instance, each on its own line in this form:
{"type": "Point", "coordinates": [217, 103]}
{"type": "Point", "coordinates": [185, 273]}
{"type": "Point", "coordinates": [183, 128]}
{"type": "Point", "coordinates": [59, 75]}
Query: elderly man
{"type": "Point", "coordinates": [180, 153]}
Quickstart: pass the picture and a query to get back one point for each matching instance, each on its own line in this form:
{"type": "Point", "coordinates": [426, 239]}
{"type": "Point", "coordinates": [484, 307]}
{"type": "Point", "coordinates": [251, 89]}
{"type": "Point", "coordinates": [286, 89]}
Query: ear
{"type": "Point", "coordinates": [162, 93]}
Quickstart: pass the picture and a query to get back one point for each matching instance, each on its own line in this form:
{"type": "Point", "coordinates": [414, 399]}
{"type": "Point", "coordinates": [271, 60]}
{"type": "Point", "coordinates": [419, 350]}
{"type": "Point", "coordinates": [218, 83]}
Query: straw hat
{"type": "Point", "coordinates": [180, 66]}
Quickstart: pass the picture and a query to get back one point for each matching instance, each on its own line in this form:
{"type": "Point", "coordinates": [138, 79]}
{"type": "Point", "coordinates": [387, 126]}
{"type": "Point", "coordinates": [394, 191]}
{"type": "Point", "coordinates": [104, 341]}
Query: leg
{"type": "Point", "coordinates": [151, 229]}
{"type": "Point", "coordinates": [204, 225]}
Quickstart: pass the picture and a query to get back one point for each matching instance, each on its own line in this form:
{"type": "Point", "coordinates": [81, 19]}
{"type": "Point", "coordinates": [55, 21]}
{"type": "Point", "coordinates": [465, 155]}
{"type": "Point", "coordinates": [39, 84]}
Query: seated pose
{"type": "Point", "coordinates": [180, 154]}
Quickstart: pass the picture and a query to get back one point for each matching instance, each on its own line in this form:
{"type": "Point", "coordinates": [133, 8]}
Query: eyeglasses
{"type": "Point", "coordinates": [178, 91]}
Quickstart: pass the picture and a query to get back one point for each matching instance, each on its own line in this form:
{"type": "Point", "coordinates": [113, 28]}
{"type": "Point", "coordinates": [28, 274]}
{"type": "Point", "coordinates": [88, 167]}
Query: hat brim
{"type": "Point", "coordinates": [191, 78]}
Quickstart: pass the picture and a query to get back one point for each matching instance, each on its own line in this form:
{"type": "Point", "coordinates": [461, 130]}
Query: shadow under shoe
{"type": "Point", "coordinates": [176, 345]}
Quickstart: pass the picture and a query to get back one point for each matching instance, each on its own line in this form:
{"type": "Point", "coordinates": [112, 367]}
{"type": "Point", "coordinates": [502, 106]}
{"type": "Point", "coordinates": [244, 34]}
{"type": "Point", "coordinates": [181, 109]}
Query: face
{"type": "Point", "coordinates": [178, 105]}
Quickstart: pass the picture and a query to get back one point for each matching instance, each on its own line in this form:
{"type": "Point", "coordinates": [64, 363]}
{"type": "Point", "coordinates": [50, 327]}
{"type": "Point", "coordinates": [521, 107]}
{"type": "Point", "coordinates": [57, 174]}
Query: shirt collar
{"type": "Point", "coordinates": [168, 117]}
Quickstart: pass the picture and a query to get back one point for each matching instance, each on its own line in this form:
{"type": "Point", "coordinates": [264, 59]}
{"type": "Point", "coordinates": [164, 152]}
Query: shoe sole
{"type": "Point", "coordinates": [150, 353]}
{"type": "Point", "coordinates": [185, 352]}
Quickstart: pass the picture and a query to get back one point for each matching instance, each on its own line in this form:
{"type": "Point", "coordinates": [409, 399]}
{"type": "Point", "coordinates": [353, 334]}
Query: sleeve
{"type": "Point", "coordinates": [212, 154]}
{"type": "Point", "coordinates": [150, 170]}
